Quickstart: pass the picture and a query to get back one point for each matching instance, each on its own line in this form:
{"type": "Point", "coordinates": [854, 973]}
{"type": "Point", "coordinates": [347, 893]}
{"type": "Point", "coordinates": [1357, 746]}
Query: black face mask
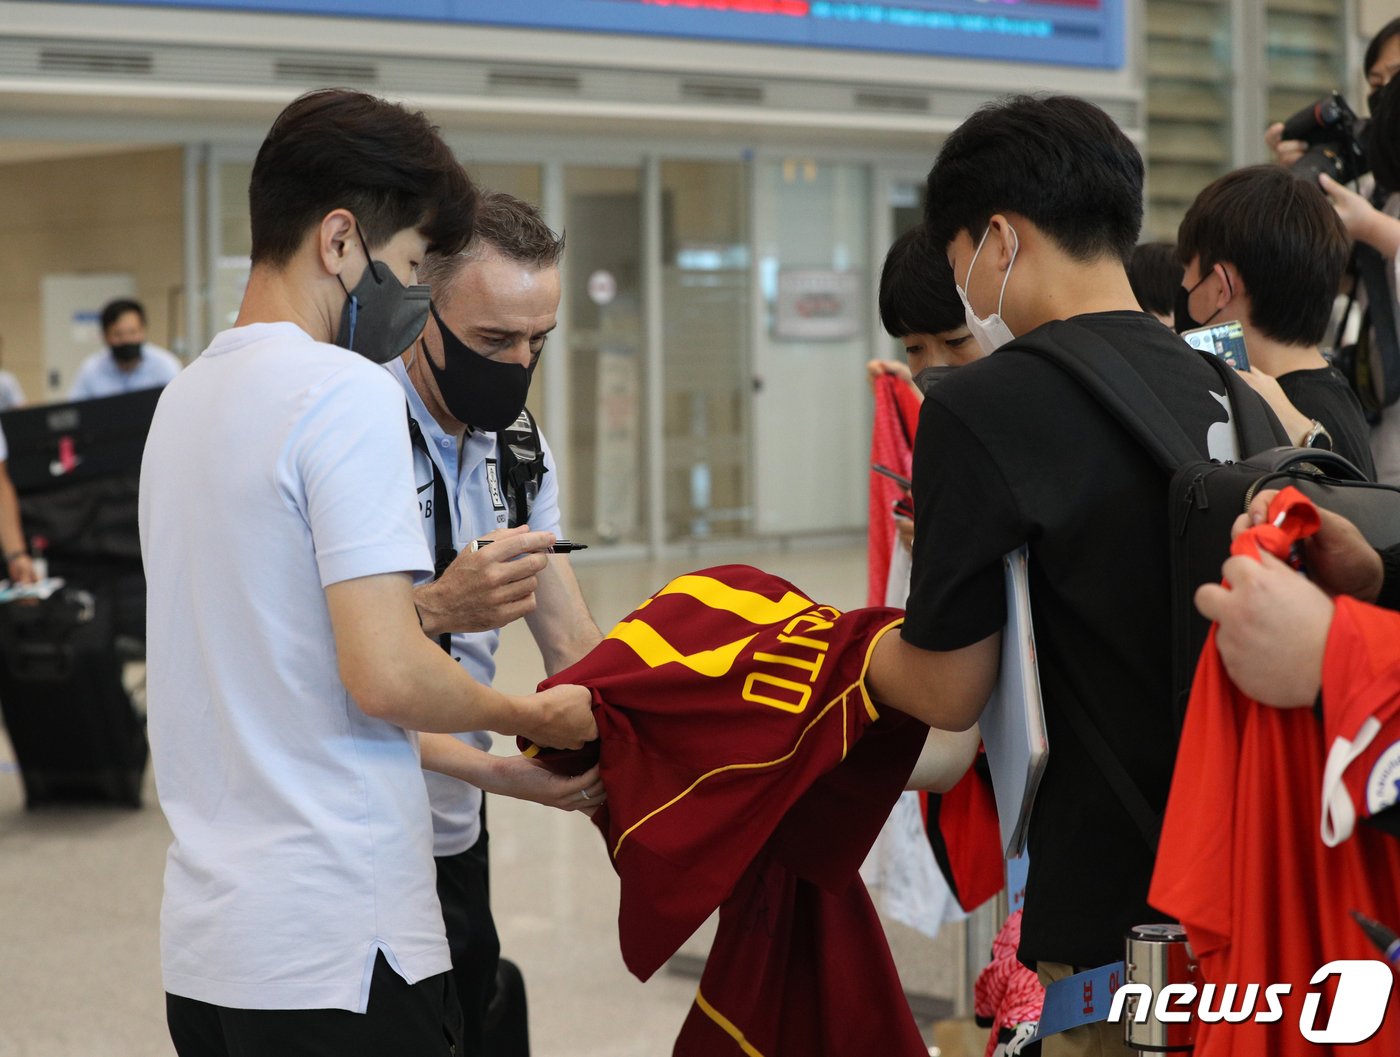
{"type": "Point", "coordinates": [931, 376]}
{"type": "Point", "coordinates": [478, 392]}
{"type": "Point", "coordinates": [128, 353]}
{"type": "Point", "coordinates": [1182, 320]}
{"type": "Point", "coordinates": [381, 316]}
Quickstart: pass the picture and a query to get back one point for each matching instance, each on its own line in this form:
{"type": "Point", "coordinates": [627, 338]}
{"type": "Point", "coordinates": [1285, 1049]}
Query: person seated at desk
{"type": "Point", "coordinates": [129, 362]}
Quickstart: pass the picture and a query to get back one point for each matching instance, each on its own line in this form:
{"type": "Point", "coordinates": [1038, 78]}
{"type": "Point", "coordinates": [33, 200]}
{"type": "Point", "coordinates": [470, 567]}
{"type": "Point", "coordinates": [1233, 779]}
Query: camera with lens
{"type": "Point", "coordinates": [1335, 138]}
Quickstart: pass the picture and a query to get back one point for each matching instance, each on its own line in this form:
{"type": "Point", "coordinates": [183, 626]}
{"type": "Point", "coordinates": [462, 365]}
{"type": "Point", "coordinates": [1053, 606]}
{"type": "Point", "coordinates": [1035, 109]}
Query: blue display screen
{"type": "Point", "coordinates": [1065, 32]}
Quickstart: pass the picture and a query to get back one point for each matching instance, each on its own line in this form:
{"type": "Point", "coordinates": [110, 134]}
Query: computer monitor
{"type": "Point", "coordinates": [77, 469]}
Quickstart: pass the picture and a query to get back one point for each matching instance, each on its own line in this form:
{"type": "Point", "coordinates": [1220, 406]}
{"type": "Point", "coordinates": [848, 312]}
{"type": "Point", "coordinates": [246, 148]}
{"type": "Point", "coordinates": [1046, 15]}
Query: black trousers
{"type": "Point", "coordinates": [403, 1020]}
{"type": "Point", "coordinates": [464, 889]}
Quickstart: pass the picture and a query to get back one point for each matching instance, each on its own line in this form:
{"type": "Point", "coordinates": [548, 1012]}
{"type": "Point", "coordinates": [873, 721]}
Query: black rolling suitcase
{"type": "Point", "coordinates": [76, 734]}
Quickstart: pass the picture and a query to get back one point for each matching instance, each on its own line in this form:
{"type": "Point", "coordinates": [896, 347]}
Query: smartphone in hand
{"type": "Point", "coordinates": [1224, 340]}
{"type": "Point", "coordinates": [897, 478]}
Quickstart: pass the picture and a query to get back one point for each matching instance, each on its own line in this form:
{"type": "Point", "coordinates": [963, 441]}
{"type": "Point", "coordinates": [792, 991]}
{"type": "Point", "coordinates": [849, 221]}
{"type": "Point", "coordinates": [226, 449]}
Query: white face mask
{"type": "Point", "coordinates": [992, 332]}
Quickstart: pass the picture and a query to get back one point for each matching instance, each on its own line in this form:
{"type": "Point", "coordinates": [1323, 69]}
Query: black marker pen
{"type": "Point", "coordinates": [560, 546]}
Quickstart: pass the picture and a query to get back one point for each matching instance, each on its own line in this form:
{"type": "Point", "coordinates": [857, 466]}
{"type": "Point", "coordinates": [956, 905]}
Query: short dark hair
{"type": "Point", "coordinates": [1386, 34]}
{"type": "Point", "coordinates": [1383, 136]}
{"type": "Point", "coordinates": [1283, 237]}
{"type": "Point", "coordinates": [1058, 161]}
{"type": "Point", "coordinates": [341, 149]}
{"type": "Point", "coordinates": [510, 226]}
{"type": "Point", "coordinates": [114, 310]}
{"type": "Point", "coordinates": [1154, 273]}
{"type": "Point", "coordinates": [917, 294]}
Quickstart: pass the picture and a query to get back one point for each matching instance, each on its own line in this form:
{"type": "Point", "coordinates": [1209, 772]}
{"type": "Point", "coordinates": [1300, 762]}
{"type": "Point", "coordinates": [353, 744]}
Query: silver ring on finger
{"type": "Point", "coordinates": [584, 793]}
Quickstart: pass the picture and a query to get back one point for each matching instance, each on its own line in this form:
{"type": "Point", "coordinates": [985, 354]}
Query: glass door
{"type": "Point", "coordinates": [811, 406]}
{"type": "Point", "coordinates": [705, 300]}
{"type": "Point", "coordinates": [606, 495]}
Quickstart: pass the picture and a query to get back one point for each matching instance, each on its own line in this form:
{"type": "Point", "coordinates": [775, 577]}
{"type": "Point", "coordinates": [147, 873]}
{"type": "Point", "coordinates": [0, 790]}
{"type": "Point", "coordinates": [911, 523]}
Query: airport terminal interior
{"type": "Point", "coordinates": [729, 175]}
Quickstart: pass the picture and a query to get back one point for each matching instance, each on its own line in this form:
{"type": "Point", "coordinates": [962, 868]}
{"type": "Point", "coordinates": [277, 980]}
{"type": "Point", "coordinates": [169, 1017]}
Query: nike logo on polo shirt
{"type": "Point", "coordinates": [424, 487]}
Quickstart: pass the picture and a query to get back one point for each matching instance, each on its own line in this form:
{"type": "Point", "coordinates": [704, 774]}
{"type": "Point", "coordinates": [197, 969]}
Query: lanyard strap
{"type": "Point", "coordinates": [1084, 998]}
{"type": "Point", "coordinates": [444, 553]}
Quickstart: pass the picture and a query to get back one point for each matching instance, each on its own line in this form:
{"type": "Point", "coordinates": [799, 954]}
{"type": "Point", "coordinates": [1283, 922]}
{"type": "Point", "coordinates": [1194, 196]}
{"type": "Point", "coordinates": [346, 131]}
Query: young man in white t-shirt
{"type": "Point", "coordinates": [287, 668]}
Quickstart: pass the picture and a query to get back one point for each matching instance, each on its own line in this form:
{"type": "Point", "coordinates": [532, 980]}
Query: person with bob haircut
{"type": "Point", "coordinates": [288, 672]}
{"type": "Point", "coordinates": [1038, 204]}
{"type": "Point", "coordinates": [1265, 248]}
{"type": "Point", "coordinates": [1155, 273]}
{"type": "Point", "coordinates": [919, 305]}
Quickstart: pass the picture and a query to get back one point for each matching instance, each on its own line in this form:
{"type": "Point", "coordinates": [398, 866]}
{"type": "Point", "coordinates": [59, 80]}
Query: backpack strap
{"type": "Point", "coordinates": [1111, 379]}
{"type": "Point", "coordinates": [522, 466]}
{"type": "Point", "coordinates": [444, 554]}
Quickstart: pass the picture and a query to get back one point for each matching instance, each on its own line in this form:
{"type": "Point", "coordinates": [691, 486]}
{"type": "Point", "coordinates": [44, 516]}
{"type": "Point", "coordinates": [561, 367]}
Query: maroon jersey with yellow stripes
{"type": "Point", "coordinates": [744, 758]}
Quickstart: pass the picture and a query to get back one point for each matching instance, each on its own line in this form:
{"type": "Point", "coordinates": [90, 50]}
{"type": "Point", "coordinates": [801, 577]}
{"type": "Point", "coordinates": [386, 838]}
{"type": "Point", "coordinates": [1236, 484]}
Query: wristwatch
{"type": "Point", "coordinates": [1318, 437]}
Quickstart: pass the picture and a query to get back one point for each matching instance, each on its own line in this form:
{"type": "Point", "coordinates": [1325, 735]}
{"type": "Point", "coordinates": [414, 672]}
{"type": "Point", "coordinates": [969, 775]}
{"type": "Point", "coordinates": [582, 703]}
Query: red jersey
{"type": "Point", "coordinates": [891, 446]}
{"type": "Point", "coordinates": [748, 769]}
{"type": "Point", "coordinates": [1240, 862]}
{"type": "Point", "coordinates": [1361, 717]}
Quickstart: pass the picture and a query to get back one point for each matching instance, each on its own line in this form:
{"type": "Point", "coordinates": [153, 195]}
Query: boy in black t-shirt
{"type": "Point", "coordinates": [1039, 202]}
{"type": "Point", "coordinates": [1266, 248]}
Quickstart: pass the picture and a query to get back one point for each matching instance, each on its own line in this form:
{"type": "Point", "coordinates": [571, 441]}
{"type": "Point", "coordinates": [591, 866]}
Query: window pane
{"type": "Point", "coordinates": [705, 290]}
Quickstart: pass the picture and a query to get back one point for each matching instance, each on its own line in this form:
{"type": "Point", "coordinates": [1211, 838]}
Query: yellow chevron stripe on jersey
{"type": "Point", "coordinates": [747, 605]}
{"type": "Point", "coordinates": [726, 1025]}
{"type": "Point", "coordinates": [647, 643]}
{"type": "Point", "coordinates": [840, 699]}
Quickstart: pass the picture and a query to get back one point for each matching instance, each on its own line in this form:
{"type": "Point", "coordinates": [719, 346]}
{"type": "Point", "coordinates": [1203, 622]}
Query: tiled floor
{"type": "Point", "coordinates": [80, 891]}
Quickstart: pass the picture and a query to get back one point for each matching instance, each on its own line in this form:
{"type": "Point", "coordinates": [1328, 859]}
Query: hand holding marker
{"type": "Point", "coordinates": [560, 546]}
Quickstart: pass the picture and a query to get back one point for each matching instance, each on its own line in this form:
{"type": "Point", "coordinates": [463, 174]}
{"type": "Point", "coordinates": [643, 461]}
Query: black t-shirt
{"type": "Point", "coordinates": [1322, 393]}
{"type": "Point", "coordinates": [1012, 450]}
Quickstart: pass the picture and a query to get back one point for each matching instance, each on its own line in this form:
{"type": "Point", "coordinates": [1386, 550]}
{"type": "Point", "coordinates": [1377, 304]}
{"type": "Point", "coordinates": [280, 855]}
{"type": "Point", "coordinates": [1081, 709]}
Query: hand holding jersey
{"type": "Point", "coordinates": [515, 776]}
{"type": "Point", "coordinates": [1338, 558]}
{"type": "Point", "coordinates": [1271, 629]}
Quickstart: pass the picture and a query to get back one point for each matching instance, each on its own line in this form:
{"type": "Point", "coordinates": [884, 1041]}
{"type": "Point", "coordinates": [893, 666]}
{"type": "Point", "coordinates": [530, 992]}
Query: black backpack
{"type": "Point", "coordinates": [1203, 499]}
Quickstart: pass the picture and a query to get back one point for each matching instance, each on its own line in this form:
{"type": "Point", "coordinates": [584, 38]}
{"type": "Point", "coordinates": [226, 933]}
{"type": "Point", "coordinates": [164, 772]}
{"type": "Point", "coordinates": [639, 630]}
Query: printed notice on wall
{"type": "Point", "coordinates": [818, 304]}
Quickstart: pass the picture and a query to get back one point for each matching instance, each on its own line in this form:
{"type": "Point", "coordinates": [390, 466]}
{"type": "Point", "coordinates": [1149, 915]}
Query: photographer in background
{"type": "Point", "coordinates": [1369, 215]}
{"type": "Point", "coordinates": [1267, 249]}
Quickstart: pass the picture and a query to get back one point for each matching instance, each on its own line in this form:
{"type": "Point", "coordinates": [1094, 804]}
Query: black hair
{"type": "Point", "coordinates": [1383, 135]}
{"type": "Point", "coordinates": [114, 310]}
{"type": "Point", "coordinates": [1386, 34]}
{"type": "Point", "coordinates": [341, 149]}
{"type": "Point", "coordinates": [1155, 272]}
{"type": "Point", "coordinates": [1058, 161]}
{"type": "Point", "coordinates": [917, 295]}
{"type": "Point", "coordinates": [1283, 237]}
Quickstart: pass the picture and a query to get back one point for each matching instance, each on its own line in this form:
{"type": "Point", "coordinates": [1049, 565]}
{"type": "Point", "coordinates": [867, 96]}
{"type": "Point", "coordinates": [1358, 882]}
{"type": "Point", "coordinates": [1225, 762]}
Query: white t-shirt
{"type": "Point", "coordinates": [275, 467]}
{"type": "Point", "coordinates": [100, 376]}
{"type": "Point", "coordinates": [478, 507]}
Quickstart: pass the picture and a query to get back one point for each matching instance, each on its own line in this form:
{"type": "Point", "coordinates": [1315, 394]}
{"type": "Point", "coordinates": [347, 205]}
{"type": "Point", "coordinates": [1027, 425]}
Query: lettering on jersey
{"type": "Point", "coordinates": [1383, 784]}
{"type": "Point", "coordinates": [493, 484]}
{"type": "Point", "coordinates": [654, 649]}
{"type": "Point", "coordinates": [784, 680]}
